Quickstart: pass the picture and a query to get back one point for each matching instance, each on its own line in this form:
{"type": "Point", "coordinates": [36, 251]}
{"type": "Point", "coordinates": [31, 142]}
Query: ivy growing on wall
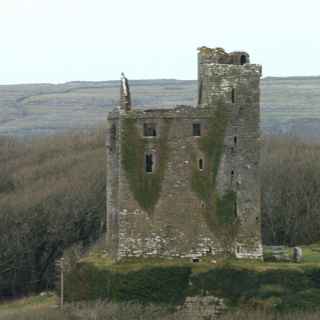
{"type": "Point", "coordinates": [219, 211]}
{"type": "Point", "coordinates": [145, 187]}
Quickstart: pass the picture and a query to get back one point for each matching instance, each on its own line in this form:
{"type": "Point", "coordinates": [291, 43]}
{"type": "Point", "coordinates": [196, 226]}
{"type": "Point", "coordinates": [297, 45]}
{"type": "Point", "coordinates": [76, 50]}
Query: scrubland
{"type": "Point", "coordinates": [52, 196]}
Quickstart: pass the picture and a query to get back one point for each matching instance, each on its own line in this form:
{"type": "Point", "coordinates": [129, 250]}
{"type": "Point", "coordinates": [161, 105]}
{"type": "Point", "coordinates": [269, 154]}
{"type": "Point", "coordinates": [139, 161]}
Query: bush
{"type": "Point", "coordinates": [290, 176]}
{"type": "Point", "coordinates": [165, 285]}
{"type": "Point", "coordinates": [52, 196]}
{"type": "Point", "coordinates": [246, 287]}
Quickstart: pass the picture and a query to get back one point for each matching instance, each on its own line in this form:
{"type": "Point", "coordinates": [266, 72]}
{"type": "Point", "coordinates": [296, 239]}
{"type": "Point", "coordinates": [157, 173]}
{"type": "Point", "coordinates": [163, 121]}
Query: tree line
{"type": "Point", "coordinates": [52, 196]}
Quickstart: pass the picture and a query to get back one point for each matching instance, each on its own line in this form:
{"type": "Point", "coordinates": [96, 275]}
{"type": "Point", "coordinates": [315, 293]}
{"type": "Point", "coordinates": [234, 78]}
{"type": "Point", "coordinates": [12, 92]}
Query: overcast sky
{"type": "Point", "coordinates": [68, 40]}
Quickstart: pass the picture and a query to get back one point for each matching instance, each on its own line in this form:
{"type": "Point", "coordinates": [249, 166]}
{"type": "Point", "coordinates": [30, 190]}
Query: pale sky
{"type": "Point", "coordinates": [68, 40]}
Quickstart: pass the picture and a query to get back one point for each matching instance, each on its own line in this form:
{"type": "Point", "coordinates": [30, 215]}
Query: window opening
{"type": "Point", "coordinates": [201, 164]}
{"type": "Point", "coordinates": [233, 95]}
{"type": "Point", "coordinates": [243, 60]}
{"type": "Point", "coordinates": [113, 136]}
{"type": "Point", "coordinates": [149, 162]}
{"type": "Point", "coordinates": [196, 131]}
{"type": "Point", "coordinates": [235, 140]}
{"type": "Point", "coordinates": [232, 176]}
{"type": "Point", "coordinates": [149, 130]}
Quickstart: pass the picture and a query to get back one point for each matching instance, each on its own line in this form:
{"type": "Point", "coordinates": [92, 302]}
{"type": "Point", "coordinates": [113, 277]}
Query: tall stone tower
{"type": "Point", "coordinates": [185, 181]}
{"type": "Point", "coordinates": [231, 80]}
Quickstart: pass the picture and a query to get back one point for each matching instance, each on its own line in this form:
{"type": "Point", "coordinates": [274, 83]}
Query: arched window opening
{"type": "Point", "coordinates": [235, 140]}
{"type": "Point", "coordinates": [243, 59]}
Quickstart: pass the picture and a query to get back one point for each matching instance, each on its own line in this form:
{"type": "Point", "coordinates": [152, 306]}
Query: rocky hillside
{"type": "Point", "coordinates": [289, 105]}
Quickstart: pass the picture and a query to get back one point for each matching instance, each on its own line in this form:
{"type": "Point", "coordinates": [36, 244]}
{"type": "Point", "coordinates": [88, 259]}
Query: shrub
{"type": "Point", "coordinates": [52, 196]}
{"type": "Point", "coordinates": [148, 285]}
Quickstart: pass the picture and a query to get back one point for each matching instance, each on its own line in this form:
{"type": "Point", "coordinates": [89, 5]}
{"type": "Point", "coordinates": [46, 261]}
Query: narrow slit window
{"type": "Point", "coordinates": [235, 140]}
{"type": "Point", "coordinates": [201, 164]}
{"type": "Point", "coordinates": [149, 130]}
{"type": "Point", "coordinates": [149, 163]}
{"type": "Point", "coordinates": [232, 176]}
{"type": "Point", "coordinates": [113, 137]}
{"type": "Point", "coordinates": [235, 209]}
{"type": "Point", "coordinates": [196, 130]}
{"type": "Point", "coordinates": [233, 95]}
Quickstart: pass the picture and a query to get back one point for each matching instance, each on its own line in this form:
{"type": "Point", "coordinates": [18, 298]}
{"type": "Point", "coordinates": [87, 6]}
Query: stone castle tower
{"type": "Point", "coordinates": [184, 182]}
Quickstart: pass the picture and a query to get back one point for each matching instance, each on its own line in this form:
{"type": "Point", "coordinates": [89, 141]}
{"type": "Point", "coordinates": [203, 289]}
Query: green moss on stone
{"type": "Point", "coordinates": [145, 187]}
{"type": "Point", "coordinates": [219, 209]}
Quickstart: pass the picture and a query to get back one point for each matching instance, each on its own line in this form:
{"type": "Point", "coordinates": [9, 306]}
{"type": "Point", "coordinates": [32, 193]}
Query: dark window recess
{"type": "Point", "coordinates": [235, 140]}
{"type": "Point", "coordinates": [196, 130]}
{"type": "Point", "coordinates": [149, 130]}
{"type": "Point", "coordinates": [200, 93]}
{"type": "Point", "coordinates": [232, 176]}
{"type": "Point", "coordinates": [200, 164]}
{"type": "Point", "coordinates": [233, 95]}
{"type": "Point", "coordinates": [113, 136]}
{"type": "Point", "coordinates": [243, 60]}
{"type": "Point", "coordinates": [149, 162]}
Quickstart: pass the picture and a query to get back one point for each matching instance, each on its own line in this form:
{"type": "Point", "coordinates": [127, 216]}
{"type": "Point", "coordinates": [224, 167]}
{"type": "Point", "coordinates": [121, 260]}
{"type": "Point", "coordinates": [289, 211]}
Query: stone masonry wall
{"type": "Point", "coordinates": [177, 226]}
{"type": "Point", "coordinates": [202, 308]}
{"type": "Point", "coordinates": [240, 85]}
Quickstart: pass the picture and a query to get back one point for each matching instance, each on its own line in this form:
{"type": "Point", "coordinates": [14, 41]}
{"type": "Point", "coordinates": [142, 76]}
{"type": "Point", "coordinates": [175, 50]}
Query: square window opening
{"type": "Point", "coordinates": [149, 130]}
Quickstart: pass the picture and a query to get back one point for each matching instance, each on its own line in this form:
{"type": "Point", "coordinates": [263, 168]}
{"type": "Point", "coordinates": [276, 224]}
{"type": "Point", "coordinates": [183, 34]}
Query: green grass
{"type": "Point", "coordinates": [30, 302]}
{"type": "Point", "coordinates": [311, 259]}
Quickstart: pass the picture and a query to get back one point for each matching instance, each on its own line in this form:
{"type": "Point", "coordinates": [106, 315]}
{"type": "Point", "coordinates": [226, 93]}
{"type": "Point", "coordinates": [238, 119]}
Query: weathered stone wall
{"type": "Point", "coordinates": [202, 308]}
{"type": "Point", "coordinates": [177, 225]}
{"type": "Point", "coordinates": [240, 86]}
{"type": "Point", "coordinates": [113, 169]}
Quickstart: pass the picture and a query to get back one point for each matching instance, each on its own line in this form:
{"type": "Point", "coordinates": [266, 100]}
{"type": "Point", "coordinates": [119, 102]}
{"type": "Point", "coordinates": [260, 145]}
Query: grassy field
{"type": "Point", "coordinates": [311, 259]}
{"type": "Point", "coordinates": [288, 104]}
{"type": "Point", "coordinates": [243, 284]}
{"type": "Point", "coordinates": [46, 305]}
{"type": "Point", "coordinates": [46, 308]}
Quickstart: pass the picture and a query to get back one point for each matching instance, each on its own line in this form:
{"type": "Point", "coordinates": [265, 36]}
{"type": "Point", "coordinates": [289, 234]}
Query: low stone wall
{"type": "Point", "coordinates": [202, 308]}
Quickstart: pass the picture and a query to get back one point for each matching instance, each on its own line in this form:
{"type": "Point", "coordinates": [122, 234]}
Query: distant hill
{"type": "Point", "coordinates": [289, 105]}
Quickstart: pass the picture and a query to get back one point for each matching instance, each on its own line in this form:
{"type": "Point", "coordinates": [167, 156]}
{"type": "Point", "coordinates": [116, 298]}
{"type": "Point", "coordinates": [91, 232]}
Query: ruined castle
{"type": "Point", "coordinates": [184, 182]}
